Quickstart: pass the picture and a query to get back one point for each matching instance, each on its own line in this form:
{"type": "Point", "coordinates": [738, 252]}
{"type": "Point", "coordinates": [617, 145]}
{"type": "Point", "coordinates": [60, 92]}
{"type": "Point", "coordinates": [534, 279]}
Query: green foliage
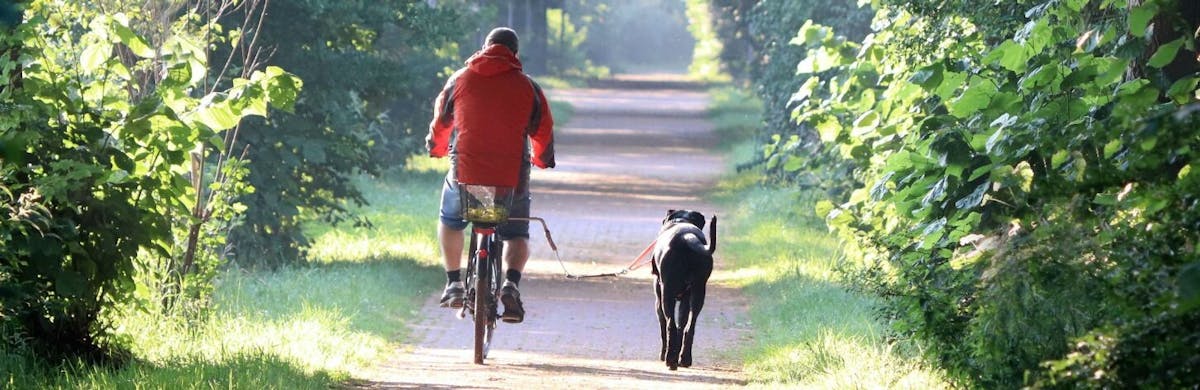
{"type": "Point", "coordinates": [758, 47]}
{"type": "Point", "coordinates": [285, 328]}
{"type": "Point", "coordinates": [810, 330]}
{"type": "Point", "coordinates": [706, 57]}
{"type": "Point", "coordinates": [565, 54]}
{"type": "Point", "coordinates": [98, 154]}
{"type": "Point", "coordinates": [1016, 180]}
{"type": "Point", "coordinates": [1156, 352]}
{"type": "Point", "coordinates": [371, 70]}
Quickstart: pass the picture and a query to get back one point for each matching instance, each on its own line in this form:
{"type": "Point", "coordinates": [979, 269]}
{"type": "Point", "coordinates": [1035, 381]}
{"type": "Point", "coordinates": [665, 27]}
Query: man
{"type": "Point", "coordinates": [492, 108]}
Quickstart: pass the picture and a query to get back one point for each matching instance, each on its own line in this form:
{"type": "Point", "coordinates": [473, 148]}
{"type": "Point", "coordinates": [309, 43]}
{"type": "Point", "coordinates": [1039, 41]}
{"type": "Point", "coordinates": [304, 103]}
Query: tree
{"type": "Point", "coordinates": [358, 59]}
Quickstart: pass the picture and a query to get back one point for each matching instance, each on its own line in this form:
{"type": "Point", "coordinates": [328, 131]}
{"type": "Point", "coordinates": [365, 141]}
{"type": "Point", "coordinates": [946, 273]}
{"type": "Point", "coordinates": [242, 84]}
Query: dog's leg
{"type": "Point", "coordinates": [670, 290]}
{"type": "Point", "coordinates": [662, 318]}
{"type": "Point", "coordinates": [689, 332]}
{"type": "Point", "coordinates": [682, 318]}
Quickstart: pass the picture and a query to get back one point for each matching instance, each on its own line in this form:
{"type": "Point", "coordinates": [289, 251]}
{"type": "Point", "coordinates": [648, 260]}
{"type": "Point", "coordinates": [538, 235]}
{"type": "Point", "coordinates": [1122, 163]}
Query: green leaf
{"type": "Point", "coordinates": [1165, 53]}
{"type": "Point", "coordinates": [217, 116]}
{"type": "Point", "coordinates": [973, 99]}
{"type": "Point", "coordinates": [975, 198]}
{"type": "Point", "coordinates": [1076, 5]}
{"type": "Point", "coordinates": [823, 208]}
{"type": "Point", "coordinates": [936, 193]}
{"type": "Point", "coordinates": [865, 124]}
{"type": "Point", "coordinates": [1110, 70]}
{"type": "Point", "coordinates": [899, 161]}
{"type": "Point", "coordinates": [94, 56]}
{"type": "Point", "coordinates": [931, 228]}
{"type": "Point", "coordinates": [199, 69]}
{"type": "Point", "coordinates": [1181, 90]}
{"type": "Point", "coordinates": [1059, 159]}
{"type": "Point", "coordinates": [880, 189]}
{"type": "Point", "coordinates": [130, 39]}
{"type": "Point", "coordinates": [1010, 55]}
{"type": "Point", "coordinates": [1140, 17]}
{"type": "Point", "coordinates": [929, 77]}
{"type": "Point", "coordinates": [178, 75]}
{"type": "Point", "coordinates": [811, 34]}
{"type": "Point", "coordinates": [829, 129]}
{"type": "Point", "coordinates": [817, 61]}
{"type": "Point", "coordinates": [1042, 76]}
{"type": "Point", "coordinates": [951, 82]}
{"type": "Point", "coordinates": [805, 90]}
{"type": "Point", "coordinates": [1147, 143]}
{"type": "Point", "coordinates": [980, 172]}
{"type": "Point", "coordinates": [1111, 148]}
{"type": "Point", "coordinates": [283, 88]}
{"type": "Point", "coordinates": [1025, 172]}
{"type": "Point", "coordinates": [793, 164]}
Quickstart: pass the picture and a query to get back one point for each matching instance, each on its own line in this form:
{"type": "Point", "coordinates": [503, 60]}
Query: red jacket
{"type": "Point", "coordinates": [492, 106]}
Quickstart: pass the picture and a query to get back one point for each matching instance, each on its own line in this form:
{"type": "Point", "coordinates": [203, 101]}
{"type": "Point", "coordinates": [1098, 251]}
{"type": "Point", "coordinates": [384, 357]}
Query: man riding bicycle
{"type": "Point", "coordinates": [493, 121]}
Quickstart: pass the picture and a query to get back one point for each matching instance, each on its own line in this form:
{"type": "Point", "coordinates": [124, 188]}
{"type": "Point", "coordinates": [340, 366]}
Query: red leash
{"type": "Point", "coordinates": [641, 260]}
{"type": "Point", "coordinates": [638, 262]}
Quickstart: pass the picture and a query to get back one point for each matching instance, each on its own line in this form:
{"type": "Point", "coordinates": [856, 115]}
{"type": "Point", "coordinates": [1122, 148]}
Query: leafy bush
{"type": "Point", "coordinates": [1017, 180]}
{"type": "Point", "coordinates": [104, 136]}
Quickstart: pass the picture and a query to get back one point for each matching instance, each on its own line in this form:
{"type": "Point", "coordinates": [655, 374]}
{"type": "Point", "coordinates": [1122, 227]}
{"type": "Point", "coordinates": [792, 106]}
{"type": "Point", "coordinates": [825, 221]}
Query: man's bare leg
{"type": "Point", "coordinates": [452, 246]}
{"type": "Point", "coordinates": [451, 242]}
{"type": "Point", "coordinates": [516, 254]}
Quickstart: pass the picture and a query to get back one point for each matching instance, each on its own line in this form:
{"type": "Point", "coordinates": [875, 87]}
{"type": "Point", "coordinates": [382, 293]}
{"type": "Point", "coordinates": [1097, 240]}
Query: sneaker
{"type": "Point", "coordinates": [452, 296]}
{"type": "Point", "coordinates": [514, 313]}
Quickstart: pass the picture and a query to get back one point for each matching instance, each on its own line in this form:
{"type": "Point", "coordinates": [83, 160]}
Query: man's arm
{"type": "Point", "coordinates": [438, 139]}
{"type": "Point", "coordinates": [541, 133]}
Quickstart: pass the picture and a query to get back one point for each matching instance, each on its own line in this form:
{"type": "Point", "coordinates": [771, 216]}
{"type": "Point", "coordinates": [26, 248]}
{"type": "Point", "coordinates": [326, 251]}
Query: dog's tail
{"type": "Point", "coordinates": [712, 235]}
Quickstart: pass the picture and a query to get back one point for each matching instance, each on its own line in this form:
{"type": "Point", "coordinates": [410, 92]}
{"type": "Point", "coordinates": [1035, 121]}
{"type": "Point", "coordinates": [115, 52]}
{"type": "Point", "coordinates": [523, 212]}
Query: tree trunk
{"type": "Point", "coordinates": [538, 39]}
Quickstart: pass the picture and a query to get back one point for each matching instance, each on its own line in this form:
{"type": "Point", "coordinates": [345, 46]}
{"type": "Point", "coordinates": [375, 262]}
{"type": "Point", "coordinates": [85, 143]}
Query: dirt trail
{"type": "Point", "coordinates": [627, 156]}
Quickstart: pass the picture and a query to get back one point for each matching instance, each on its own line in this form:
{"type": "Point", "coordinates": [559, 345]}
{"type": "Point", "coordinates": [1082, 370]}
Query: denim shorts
{"type": "Point", "coordinates": [451, 208]}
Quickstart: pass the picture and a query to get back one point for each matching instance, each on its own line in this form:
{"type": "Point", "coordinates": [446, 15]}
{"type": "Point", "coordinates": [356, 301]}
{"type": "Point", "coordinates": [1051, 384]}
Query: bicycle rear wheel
{"type": "Point", "coordinates": [485, 297]}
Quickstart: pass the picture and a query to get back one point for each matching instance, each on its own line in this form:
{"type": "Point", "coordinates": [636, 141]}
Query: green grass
{"type": "Point", "coordinates": [552, 82]}
{"type": "Point", "coordinates": [736, 116]}
{"type": "Point", "coordinates": [810, 330]}
{"type": "Point", "coordinates": [296, 327]}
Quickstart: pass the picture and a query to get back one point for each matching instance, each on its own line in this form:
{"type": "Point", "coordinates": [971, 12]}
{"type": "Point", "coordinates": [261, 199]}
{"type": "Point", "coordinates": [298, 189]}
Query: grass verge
{"type": "Point", "coordinates": [300, 327]}
{"type": "Point", "coordinates": [810, 330]}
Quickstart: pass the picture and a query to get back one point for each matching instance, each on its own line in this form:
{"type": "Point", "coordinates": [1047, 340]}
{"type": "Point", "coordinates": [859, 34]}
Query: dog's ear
{"type": "Point", "coordinates": [696, 218]}
{"type": "Point", "coordinates": [668, 217]}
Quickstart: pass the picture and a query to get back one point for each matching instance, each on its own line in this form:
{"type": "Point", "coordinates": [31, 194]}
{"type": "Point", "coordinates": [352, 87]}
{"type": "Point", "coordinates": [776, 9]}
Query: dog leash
{"type": "Point", "coordinates": [638, 262]}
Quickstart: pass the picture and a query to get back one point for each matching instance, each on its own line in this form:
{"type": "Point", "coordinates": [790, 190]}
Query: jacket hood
{"type": "Point", "coordinates": [493, 60]}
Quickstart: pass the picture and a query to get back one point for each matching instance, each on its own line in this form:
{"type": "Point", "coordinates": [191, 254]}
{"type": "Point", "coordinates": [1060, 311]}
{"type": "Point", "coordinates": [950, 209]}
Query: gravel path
{"type": "Point", "coordinates": [627, 156]}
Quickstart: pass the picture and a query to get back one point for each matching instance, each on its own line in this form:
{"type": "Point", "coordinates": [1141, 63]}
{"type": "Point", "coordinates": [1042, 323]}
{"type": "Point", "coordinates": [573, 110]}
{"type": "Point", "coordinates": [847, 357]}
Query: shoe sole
{"type": "Point", "coordinates": [512, 318]}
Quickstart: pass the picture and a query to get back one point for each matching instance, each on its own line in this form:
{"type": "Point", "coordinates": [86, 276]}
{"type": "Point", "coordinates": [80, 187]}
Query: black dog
{"type": "Point", "coordinates": [682, 263]}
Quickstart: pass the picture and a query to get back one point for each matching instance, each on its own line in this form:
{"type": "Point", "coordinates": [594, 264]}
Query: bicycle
{"type": "Point", "coordinates": [486, 208]}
